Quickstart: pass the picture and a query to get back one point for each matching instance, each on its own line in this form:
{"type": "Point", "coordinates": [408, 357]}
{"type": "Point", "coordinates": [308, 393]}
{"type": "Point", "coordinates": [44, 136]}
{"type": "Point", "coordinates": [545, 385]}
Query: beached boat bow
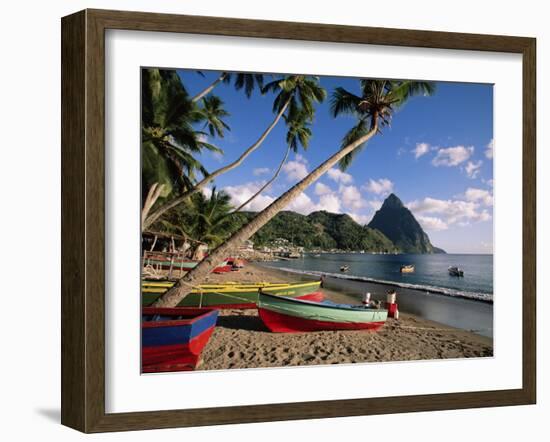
{"type": "Point", "coordinates": [172, 339]}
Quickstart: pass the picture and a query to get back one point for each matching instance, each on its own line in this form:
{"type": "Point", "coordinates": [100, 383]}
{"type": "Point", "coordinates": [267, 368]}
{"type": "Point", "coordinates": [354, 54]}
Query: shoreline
{"type": "Point", "coordinates": [444, 291]}
{"type": "Point", "coordinates": [462, 313]}
{"type": "Point", "coordinates": [240, 339]}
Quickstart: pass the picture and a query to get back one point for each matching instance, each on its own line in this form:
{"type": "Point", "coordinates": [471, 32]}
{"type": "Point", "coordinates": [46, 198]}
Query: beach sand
{"type": "Point", "coordinates": [240, 339]}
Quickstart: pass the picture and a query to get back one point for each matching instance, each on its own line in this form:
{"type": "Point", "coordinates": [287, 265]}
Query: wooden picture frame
{"type": "Point", "coordinates": [83, 216]}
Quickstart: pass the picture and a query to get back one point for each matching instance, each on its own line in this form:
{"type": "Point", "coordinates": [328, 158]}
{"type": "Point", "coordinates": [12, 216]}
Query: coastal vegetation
{"type": "Point", "coordinates": [211, 220]}
{"type": "Point", "coordinates": [294, 102]}
{"type": "Point", "coordinates": [320, 230]}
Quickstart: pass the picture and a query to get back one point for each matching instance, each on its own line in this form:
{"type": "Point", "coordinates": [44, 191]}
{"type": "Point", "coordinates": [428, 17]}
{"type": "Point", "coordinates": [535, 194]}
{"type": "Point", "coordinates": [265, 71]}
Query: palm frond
{"type": "Point", "coordinates": [343, 102]}
{"type": "Point", "coordinates": [356, 132]}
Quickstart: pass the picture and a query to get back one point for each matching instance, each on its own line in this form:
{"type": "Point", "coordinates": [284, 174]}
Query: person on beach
{"type": "Point", "coordinates": [367, 303]}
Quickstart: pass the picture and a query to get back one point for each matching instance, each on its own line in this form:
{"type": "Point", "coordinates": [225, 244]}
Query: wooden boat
{"type": "Point", "coordinates": [172, 339]}
{"type": "Point", "coordinates": [223, 269]}
{"type": "Point", "coordinates": [344, 269]}
{"type": "Point", "coordinates": [161, 261]}
{"type": "Point", "coordinates": [455, 271]}
{"type": "Point", "coordinates": [287, 315]}
{"type": "Point", "coordinates": [236, 263]}
{"type": "Point", "coordinates": [239, 296]}
{"type": "Point", "coordinates": [407, 268]}
{"type": "Point", "coordinates": [159, 284]}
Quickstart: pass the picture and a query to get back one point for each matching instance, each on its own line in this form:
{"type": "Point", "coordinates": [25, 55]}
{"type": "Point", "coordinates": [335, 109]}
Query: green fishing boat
{"type": "Point", "coordinates": [284, 315]}
{"type": "Point", "coordinates": [234, 295]}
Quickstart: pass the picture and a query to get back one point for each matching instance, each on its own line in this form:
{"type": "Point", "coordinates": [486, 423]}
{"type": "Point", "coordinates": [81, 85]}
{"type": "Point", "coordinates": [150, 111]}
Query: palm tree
{"type": "Point", "coordinates": [248, 82]}
{"type": "Point", "coordinates": [267, 183]}
{"type": "Point", "coordinates": [209, 220]}
{"type": "Point", "coordinates": [295, 93]}
{"type": "Point", "coordinates": [375, 106]}
{"type": "Point", "coordinates": [213, 112]}
{"type": "Point", "coordinates": [298, 134]}
{"type": "Point", "coordinates": [169, 138]}
{"type": "Point", "coordinates": [170, 141]}
{"type": "Point", "coordinates": [388, 94]}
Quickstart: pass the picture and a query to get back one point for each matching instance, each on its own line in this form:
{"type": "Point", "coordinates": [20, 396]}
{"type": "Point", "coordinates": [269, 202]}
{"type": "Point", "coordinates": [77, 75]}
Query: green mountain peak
{"type": "Point", "coordinates": [398, 224]}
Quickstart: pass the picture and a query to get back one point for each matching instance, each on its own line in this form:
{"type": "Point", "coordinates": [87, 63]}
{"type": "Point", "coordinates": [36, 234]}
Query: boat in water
{"type": "Point", "coordinates": [344, 268]}
{"type": "Point", "coordinates": [290, 315]}
{"type": "Point", "coordinates": [172, 339]}
{"type": "Point", "coordinates": [231, 295]}
{"type": "Point", "coordinates": [456, 271]}
{"type": "Point", "coordinates": [407, 268]}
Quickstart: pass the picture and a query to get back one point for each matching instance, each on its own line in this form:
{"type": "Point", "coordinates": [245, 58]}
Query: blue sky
{"type": "Point", "coordinates": [436, 157]}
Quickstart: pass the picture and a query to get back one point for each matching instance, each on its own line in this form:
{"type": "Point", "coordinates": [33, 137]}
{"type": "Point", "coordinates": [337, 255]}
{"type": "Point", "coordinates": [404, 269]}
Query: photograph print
{"type": "Point", "coordinates": [294, 220]}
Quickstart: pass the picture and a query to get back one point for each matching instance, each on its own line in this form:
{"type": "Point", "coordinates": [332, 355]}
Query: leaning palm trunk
{"type": "Point", "coordinates": [266, 185]}
{"type": "Point", "coordinates": [182, 288]}
{"type": "Point", "coordinates": [177, 201]}
{"type": "Point", "coordinates": [152, 196]}
{"type": "Point", "coordinates": [209, 88]}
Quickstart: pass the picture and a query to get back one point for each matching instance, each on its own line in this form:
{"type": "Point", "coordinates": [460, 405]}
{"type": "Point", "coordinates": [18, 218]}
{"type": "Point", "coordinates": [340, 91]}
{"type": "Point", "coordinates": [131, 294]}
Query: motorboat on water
{"type": "Point", "coordinates": [456, 271]}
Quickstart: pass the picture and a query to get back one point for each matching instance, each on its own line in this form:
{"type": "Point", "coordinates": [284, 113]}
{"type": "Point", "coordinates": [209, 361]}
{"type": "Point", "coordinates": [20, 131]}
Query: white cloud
{"type": "Point", "coordinates": [490, 149]}
{"type": "Point", "coordinates": [450, 212]}
{"type": "Point", "coordinates": [473, 169]}
{"type": "Point", "coordinates": [360, 219]}
{"type": "Point", "coordinates": [421, 149]}
{"type": "Point", "coordinates": [485, 215]}
{"type": "Point", "coordinates": [432, 223]}
{"type": "Point", "coordinates": [330, 203]}
{"type": "Point", "coordinates": [481, 195]}
{"type": "Point", "coordinates": [261, 171]}
{"type": "Point", "coordinates": [322, 189]}
{"type": "Point", "coordinates": [302, 204]}
{"type": "Point", "coordinates": [241, 193]}
{"type": "Point", "coordinates": [379, 187]}
{"type": "Point", "coordinates": [375, 204]}
{"type": "Point", "coordinates": [297, 169]}
{"type": "Point", "coordinates": [305, 205]}
{"type": "Point", "coordinates": [489, 183]}
{"type": "Point", "coordinates": [339, 176]}
{"type": "Point", "coordinates": [351, 197]}
{"type": "Point", "coordinates": [452, 156]}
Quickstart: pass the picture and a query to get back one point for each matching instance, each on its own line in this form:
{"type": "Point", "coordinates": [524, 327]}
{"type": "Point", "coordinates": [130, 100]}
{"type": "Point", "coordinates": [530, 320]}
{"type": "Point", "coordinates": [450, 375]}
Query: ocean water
{"type": "Point", "coordinates": [431, 274]}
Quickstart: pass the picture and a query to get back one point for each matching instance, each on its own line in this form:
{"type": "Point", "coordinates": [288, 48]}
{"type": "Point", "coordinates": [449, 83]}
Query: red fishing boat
{"type": "Point", "coordinates": [172, 339]}
{"type": "Point", "coordinates": [290, 315]}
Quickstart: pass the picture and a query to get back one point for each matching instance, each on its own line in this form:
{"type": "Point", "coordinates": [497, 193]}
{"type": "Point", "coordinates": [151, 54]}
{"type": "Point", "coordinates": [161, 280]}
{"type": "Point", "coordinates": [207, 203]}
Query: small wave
{"type": "Point", "coordinates": [478, 296]}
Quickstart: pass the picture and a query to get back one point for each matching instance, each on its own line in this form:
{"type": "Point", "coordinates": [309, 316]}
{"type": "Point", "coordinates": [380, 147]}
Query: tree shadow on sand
{"type": "Point", "coordinates": [241, 322]}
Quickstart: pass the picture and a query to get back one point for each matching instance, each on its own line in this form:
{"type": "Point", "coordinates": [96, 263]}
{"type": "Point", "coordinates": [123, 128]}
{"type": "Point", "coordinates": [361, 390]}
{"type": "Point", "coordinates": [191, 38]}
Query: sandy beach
{"type": "Point", "coordinates": [240, 339]}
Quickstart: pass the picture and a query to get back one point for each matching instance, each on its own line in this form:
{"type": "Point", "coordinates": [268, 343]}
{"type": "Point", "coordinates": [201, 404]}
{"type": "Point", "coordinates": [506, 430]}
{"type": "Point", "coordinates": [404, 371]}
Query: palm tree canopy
{"type": "Point", "coordinates": [301, 92]}
{"type": "Point", "coordinates": [213, 112]}
{"type": "Point", "coordinates": [378, 100]}
{"type": "Point", "coordinates": [209, 219]}
{"type": "Point", "coordinates": [170, 140]}
{"type": "Point", "coordinates": [248, 82]}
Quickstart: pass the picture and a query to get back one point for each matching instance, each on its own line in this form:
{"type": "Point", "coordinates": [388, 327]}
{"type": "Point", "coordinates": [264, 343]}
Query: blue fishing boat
{"type": "Point", "coordinates": [172, 339]}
